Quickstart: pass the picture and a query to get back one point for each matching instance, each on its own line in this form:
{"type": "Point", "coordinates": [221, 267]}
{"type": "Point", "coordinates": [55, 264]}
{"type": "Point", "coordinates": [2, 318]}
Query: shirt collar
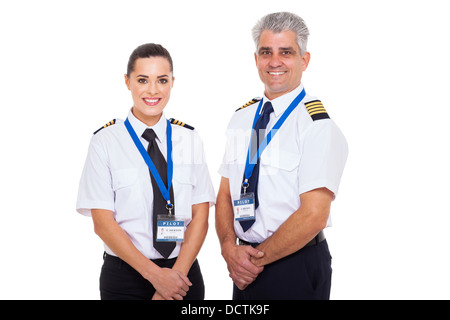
{"type": "Point", "coordinates": [281, 103]}
{"type": "Point", "coordinates": [139, 127]}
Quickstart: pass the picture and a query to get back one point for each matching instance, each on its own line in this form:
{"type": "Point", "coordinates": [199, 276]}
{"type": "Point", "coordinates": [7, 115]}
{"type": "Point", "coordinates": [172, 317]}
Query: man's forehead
{"type": "Point", "coordinates": [278, 41]}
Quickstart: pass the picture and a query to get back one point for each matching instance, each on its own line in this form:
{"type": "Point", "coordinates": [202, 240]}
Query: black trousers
{"type": "Point", "coordinates": [303, 275]}
{"type": "Point", "coordinates": [119, 281]}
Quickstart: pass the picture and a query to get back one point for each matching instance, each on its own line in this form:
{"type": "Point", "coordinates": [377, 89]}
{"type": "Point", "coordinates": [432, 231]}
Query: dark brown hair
{"type": "Point", "coordinates": [146, 51]}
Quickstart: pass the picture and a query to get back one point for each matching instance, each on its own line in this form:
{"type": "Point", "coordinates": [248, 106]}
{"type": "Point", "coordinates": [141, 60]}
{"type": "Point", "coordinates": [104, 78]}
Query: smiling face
{"type": "Point", "coordinates": [150, 84]}
{"type": "Point", "coordinates": [279, 62]}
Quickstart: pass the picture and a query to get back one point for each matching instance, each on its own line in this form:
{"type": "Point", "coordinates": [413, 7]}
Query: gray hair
{"type": "Point", "coordinates": [282, 21]}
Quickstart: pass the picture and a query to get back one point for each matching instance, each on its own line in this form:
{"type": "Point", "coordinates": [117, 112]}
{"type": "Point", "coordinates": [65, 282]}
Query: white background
{"type": "Point", "coordinates": [380, 67]}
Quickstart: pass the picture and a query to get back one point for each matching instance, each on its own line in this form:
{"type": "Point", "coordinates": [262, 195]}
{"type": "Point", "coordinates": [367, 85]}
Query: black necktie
{"type": "Point", "coordinates": [258, 136]}
{"type": "Point", "coordinates": [159, 204]}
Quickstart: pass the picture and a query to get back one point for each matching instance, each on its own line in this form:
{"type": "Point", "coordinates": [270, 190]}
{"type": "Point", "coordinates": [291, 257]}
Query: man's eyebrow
{"type": "Point", "coordinates": [264, 49]}
{"type": "Point", "coordinates": [286, 49]}
{"type": "Point", "coordinates": [279, 49]}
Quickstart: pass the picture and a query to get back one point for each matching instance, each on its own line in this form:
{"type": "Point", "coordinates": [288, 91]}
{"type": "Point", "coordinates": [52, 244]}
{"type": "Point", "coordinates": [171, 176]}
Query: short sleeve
{"type": "Point", "coordinates": [323, 158]}
{"type": "Point", "coordinates": [95, 190]}
{"type": "Point", "coordinates": [203, 189]}
{"type": "Point", "coordinates": [224, 167]}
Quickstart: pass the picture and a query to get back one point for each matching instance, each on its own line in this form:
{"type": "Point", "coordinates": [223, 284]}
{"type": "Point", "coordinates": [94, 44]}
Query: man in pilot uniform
{"type": "Point", "coordinates": [281, 170]}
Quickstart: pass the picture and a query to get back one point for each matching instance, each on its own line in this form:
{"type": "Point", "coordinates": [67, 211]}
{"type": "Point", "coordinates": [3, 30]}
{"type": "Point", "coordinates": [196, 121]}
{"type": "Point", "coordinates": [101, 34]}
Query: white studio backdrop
{"type": "Point", "coordinates": [380, 68]}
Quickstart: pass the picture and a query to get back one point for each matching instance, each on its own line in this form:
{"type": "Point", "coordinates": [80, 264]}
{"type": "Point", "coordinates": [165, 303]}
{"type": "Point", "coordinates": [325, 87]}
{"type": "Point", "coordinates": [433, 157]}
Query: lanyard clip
{"type": "Point", "coordinates": [169, 207]}
{"type": "Point", "coordinates": [245, 185]}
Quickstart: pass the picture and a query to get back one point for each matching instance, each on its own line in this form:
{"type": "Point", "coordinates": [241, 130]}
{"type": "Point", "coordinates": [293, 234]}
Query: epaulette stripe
{"type": "Point", "coordinates": [106, 125]}
{"type": "Point", "coordinates": [313, 113]}
{"type": "Point", "coordinates": [316, 110]}
{"type": "Point", "coordinates": [314, 105]}
{"type": "Point", "coordinates": [181, 124]}
{"type": "Point", "coordinates": [254, 100]}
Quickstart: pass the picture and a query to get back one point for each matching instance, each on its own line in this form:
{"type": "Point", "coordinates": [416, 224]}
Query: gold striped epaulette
{"type": "Point", "coordinates": [316, 110]}
{"type": "Point", "coordinates": [182, 124]}
{"type": "Point", "coordinates": [254, 100]}
{"type": "Point", "coordinates": [113, 121]}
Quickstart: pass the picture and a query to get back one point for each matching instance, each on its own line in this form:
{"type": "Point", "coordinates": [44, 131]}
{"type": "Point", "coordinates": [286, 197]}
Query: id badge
{"type": "Point", "coordinates": [244, 208]}
{"type": "Point", "coordinates": [170, 228]}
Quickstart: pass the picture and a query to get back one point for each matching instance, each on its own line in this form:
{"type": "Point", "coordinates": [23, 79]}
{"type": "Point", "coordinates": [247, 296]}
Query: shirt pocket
{"type": "Point", "coordinates": [279, 174]}
{"type": "Point", "coordinates": [183, 186]}
{"type": "Point", "coordinates": [285, 160]}
{"type": "Point", "coordinates": [123, 178]}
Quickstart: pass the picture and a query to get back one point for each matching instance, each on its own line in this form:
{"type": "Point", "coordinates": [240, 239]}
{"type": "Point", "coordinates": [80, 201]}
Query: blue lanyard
{"type": "Point", "coordinates": [164, 191]}
{"type": "Point", "coordinates": [250, 165]}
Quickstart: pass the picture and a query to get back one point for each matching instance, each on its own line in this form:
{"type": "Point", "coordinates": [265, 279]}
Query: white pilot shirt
{"type": "Point", "coordinates": [303, 155]}
{"type": "Point", "coordinates": [116, 178]}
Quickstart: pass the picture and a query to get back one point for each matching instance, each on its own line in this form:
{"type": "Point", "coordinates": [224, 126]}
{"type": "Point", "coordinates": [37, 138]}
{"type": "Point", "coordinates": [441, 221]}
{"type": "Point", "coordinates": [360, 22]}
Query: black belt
{"type": "Point", "coordinates": [315, 241]}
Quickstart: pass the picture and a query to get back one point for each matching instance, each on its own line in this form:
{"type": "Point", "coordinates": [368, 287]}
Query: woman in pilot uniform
{"type": "Point", "coordinates": [147, 187]}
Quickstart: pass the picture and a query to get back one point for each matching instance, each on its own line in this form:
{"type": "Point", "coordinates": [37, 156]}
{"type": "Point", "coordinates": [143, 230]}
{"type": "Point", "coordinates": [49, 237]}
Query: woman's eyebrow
{"type": "Point", "coordinates": [158, 77]}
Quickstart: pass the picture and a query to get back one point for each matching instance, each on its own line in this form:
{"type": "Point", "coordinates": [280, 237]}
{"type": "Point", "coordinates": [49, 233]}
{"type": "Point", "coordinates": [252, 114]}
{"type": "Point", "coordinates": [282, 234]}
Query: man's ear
{"type": "Point", "coordinates": [305, 60]}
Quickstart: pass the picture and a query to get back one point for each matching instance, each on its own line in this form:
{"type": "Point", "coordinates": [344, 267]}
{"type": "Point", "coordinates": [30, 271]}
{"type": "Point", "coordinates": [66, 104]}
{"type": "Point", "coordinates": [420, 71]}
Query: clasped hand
{"type": "Point", "coordinates": [170, 285]}
{"type": "Point", "coordinates": [242, 271]}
